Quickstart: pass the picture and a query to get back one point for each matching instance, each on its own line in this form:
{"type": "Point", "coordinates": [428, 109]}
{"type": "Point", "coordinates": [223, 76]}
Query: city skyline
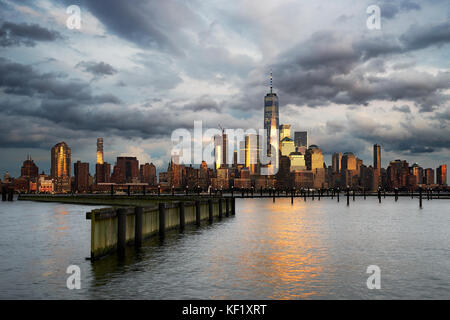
{"type": "Point", "coordinates": [347, 86]}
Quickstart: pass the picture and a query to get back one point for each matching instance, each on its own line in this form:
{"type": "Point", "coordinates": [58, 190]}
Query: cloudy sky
{"type": "Point", "coordinates": [137, 70]}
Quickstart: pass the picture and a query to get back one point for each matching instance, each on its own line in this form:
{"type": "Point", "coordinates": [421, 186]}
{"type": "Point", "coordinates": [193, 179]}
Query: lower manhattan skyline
{"type": "Point", "coordinates": [224, 159]}
{"type": "Point", "coordinates": [347, 86]}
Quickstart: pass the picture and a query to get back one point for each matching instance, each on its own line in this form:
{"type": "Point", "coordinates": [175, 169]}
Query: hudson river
{"type": "Point", "coordinates": [313, 250]}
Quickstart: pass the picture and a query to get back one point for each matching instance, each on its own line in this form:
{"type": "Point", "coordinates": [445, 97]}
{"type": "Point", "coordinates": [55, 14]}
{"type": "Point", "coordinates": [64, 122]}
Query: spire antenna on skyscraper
{"type": "Point", "coordinates": [270, 81]}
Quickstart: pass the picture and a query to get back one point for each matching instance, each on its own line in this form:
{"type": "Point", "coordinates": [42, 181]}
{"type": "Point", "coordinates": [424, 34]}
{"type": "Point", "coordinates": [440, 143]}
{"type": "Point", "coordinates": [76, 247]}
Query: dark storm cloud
{"type": "Point", "coordinates": [405, 109]}
{"type": "Point", "coordinates": [149, 24]}
{"type": "Point", "coordinates": [203, 103]}
{"type": "Point", "coordinates": [390, 9]}
{"type": "Point", "coordinates": [98, 69]}
{"type": "Point", "coordinates": [331, 68]}
{"type": "Point", "coordinates": [23, 80]}
{"type": "Point", "coordinates": [414, 139]}
{"type": "Point", "coordinates": [12, 34]}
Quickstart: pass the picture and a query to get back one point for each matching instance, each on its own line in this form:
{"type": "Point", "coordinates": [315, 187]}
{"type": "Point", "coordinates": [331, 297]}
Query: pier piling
{"type": "Point", "coordinates": [233, 206]}
{"type": "Point", "coordinates": [197, 213]}
{"type": "Point", "coordinates": [220, 208]}
{"type": "Point", "coordinates": [227, 207]}
{"type": "Point", "coordinates": [162, 219]}
{"type": "Point", "coordinates": [420, 198]}
{"type": "Point", "coordinates": [121, 231]}
{"type": "Point", "coordinates": [210, 211]}
{"type": "Point", "coordinates": [182, 215]}
{"type": "Point", "coordinates": [138, 226]}
{"type": "Point", "coordinates": [11, 194]}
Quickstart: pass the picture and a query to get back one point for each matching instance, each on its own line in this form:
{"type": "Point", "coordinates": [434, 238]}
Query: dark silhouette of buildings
{"type": "Point", "coordinates": [81, 179]}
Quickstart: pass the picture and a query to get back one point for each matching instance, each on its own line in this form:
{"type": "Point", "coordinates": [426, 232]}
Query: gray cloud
{"type": "Point", "coordinates": [98, 69]}
{"type": "Point", "coordinates": [405, 109]}
{"type": "Point", "coordinates": [12, 34]}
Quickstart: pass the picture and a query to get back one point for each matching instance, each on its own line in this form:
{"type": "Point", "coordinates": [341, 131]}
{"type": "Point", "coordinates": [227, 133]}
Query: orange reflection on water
{"type": "Point", "coordinates": [285, 255]}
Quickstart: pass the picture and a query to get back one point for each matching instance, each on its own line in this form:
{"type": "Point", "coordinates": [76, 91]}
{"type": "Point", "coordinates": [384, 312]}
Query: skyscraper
{"type": "Point", "coordinates": [148, 173]}
{"type": "Point", "coordinates": [60, 166]}
{"type": "Point", "coordinates": [220, 154]}
{"type": "Point", "coordinates": [129, 167]}
{"type": "Point", "coordinates": [301, 139]}
{"type": "Point", "coordinates": [336, 162]}
{"type": "Point", "coordinates": [376, 156]}
{"type": "Point", "coordinates": [81, 172]}
{"type": "Point", "coordinates": [441, 175]}
{"type": "Point", "coordinates": [285, 131]}
{"type": "Point", "coordinates": [29, 169]}
{"type": "Point", "coordinates": [376, 167]}
{"type": "Point", "coordinates": [314, 158]}
{"type": "Point", "coordinates": [271, 118]}
{"type": "Point", "coordinates": [100, 151]}
{"type": "Point", "coordinates": [429, 176]}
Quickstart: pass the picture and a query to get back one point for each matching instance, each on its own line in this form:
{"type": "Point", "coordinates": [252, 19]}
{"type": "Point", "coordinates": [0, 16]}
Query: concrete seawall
{"type": "Point", "coordinates": [114, 228]}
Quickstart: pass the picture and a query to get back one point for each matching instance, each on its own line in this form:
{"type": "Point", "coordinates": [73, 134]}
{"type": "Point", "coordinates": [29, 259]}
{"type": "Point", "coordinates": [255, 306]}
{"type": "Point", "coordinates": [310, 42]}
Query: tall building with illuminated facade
{"type": "Point", "coordinates": [100, 151]}
{"type": "Point", "coordinates": [271, 118]}
{"type": "Point", "coordinates": [336, 162]}
{"type": "Point", "coordinates": [60, 166]}
{"type": "Point", "coordinates": [285, 131]}
{"type": "Point", "coordinates": [376, 167]}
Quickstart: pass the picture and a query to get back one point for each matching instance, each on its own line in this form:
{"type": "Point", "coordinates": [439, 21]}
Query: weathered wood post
{"type": "Point", "coordinates": [348, 196]}
{"type": "Point", "coordinates": [227, 207]}
{"type": "Point", "coordinates": [420, 198]}
{"type": "Point", "coordinates": [210, 211]}
{"type": "Point", "coordinates": [162, 219]}
{"type": "Point", "coordinates": [182, 216]}
{"type": "Point", "coordinates": [220, 208]}
{"type": "Point", "coordinates": [121, 231]}
{"type": "Point", "coordinates": [4, 193]}
{"type": "Point", "coordinates": [197, 213]}
{"type": "Point", "coordinates": [138, 211]}
{"type": "Point", "coordinates": [233, 206]}
{"type": "Point", "coordinates": [11, 194]}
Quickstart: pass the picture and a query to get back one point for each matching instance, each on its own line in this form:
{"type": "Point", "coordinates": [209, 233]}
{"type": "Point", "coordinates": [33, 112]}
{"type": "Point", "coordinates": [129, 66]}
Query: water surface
{"type": "Point", "coordinates": [311, 250]}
